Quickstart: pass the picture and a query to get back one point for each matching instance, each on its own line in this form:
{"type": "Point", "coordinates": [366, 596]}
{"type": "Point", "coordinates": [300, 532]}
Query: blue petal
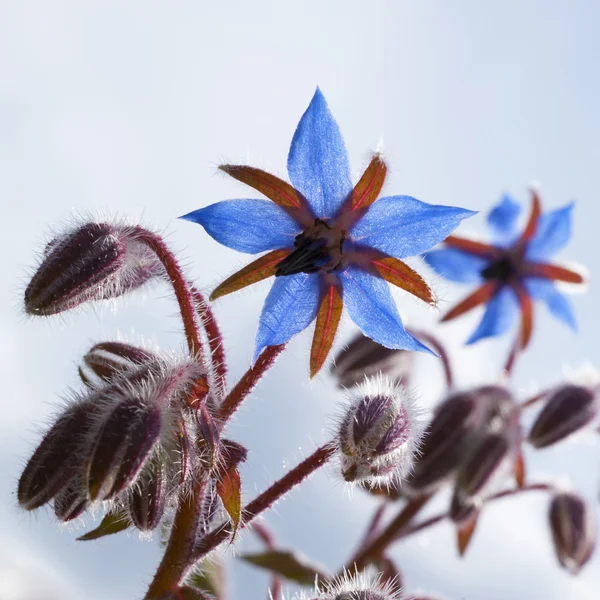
{"type": "Point", "coordinates": [500, 313]}
{"type": "Point", "coordinates": [403, 226]}
{"type": "Point", "coordinates": [290, 307]}
{"type": "Point", "coordinates": [503, 218]}
{"type": "Point", "coordinates": [249, 226]}
{"type": "Point", "coordinates": [372, 308]}
{"type": "Point", "coordinates": [553, 232]}
{"type": "Point", "coordinates": [558, 304]}
{"type": "Point", "coordinates": [318, 162]}
{"type": "Point", "coordinates": [456, 265]}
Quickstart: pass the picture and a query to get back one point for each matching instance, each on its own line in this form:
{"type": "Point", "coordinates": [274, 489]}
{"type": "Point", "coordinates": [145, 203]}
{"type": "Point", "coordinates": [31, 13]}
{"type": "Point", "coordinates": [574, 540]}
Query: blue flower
{"type": "Point", "coordinates": [512, 271]}
{"type": "Point", "coordinates": [327, 243]}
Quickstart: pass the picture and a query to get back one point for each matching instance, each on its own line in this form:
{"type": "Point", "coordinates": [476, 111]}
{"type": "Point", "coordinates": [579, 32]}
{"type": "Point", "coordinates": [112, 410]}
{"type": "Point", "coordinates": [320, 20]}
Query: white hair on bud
{"type": "Point", "coordinates": [362, 459]}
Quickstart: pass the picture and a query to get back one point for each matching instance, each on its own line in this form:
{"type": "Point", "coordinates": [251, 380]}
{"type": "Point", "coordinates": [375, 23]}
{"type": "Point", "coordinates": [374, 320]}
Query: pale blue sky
{"type": "Point", "coordinates": [126, 108]}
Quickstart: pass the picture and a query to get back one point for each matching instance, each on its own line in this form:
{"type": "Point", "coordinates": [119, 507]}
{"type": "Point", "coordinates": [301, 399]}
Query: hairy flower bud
{"type": "Point", "coordinates": [71, 502]}
{"type": "Point", "coordinates": [573, 530]}
{"type": "Point", "coordinates": [108, 359]}
{"type": "Point", "coordinates": [476, 473]}
{"type": "Point", "coordinates": [568, 409]}
{"type": "Point", "coordinates": [365, 358]}
{"type": "Point", "coordinates": [148, 497]}
{"type": "Point", "coordinates": [358, 587]}
{"type": "Point", "coordinates": [94, 261]}
{"type": "Point", "coordinates": [379, 433]}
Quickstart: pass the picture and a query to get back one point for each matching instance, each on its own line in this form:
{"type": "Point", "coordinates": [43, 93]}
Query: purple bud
{"type": "Point", "coordinates": [568, 409]}
{"type": "Point", "coordinates": [365, 358]}
{"type": "Point", "coordinates": [122, 444]}
{"type": "Point", "coordinates": [148, 497]}
{"type": "Point", "coordinates": [108, 359]}
{"type": "Point", "coordinates": [92, 262]}
{"type": "Point", "coordinates": [573, 530]}
{"type": "Point", "coordinates": [380, 432]}
{"type": "Point", "coordinates": [476, 473]}
{"type": "Point", "coordinates": [51, 467]}
{"type": "Point", "coordinates": [360, 587]}
{"type": "Point", "coordinates": [208, 439]}
{"type": "Point", "coordinates": [71, 502]}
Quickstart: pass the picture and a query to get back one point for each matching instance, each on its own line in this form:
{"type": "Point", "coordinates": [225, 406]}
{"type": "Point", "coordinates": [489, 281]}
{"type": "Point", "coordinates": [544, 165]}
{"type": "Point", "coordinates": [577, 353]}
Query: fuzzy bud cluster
{"type": "Point", "coordinates": [131, 441]}
{"type": "Point", "coordinates": [379, 433]}
{"type": "Point", "coordinates": [360, 586]}
{"type": "Point", "coordinates": [93, 261]}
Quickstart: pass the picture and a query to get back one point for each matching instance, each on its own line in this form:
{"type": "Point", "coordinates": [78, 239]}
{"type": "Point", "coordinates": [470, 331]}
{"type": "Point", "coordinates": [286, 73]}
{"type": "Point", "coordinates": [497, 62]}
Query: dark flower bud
{"type": "Point", "coordinates": [121, 446]}
{"type": "Point", "coordinates": [51, 467]}
{"type": "Point", "coordinates": [148, 497]}
{"type": "Point", "coordinates": [365, 358]}
{"type": "Point", "coordinates": [208, 439]}
{"type": "Point", "coordinates": [476, 474]}
{"type": "Point", "coordinates": [568, 409]}
{"type": "Point", "coordinates": [71, 502]}
{"type": "Point", "coordinates": [379, 433]}
{"type": "Point", "coordinates": [359, 587]}
{"type": "Point", "coordinates": [185, 593]}
{"type": "Point", "coordinates": [108, 359]}
{"type": "Point", "coordinates": [573, 530]}
{"type": "Point", "coordinates": [92, 262]}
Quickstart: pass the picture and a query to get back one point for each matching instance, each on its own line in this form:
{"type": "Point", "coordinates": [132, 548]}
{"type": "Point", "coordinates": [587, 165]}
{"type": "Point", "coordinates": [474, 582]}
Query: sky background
{"type": "Point", "coordinates": [126, 109]}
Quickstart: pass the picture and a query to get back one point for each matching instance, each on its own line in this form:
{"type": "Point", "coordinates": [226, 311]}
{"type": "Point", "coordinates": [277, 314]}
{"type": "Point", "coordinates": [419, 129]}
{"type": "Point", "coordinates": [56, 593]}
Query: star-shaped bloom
{"type": "Point", "coordinates": [513, 271]}
{"type": "Point", "coordinates": [327, 243]}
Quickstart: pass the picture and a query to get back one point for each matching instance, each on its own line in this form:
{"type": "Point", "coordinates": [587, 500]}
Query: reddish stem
{"type": "Point", "coordinates": [268, 540]}
{"type": "Point", "coordinates": [249, 380]}
{"type": "Point", "coordinates": [213, 334]}
{"type": "Point", "coordinates": [265, 500]}
{"type": "Point", "coordinates": [440, 349]}
{"type": "Point", "coordinates": [373, 525]}
{"type": "Point", "coordinates": [534, 399]}
{"type": "Point", "coordinates": [181, 542]}
{"type": "Point", "coordinates": [376, 547]}
{"type": "Point", "coordinates": [180, 286]}
{"type": "Point", "coordinates": [415, 528]}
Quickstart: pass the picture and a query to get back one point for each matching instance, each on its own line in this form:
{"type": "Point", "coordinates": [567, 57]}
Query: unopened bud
{"type": "Point", "coordinates": [359, 587]}
{"type": "Point", "coordinates": [92, 262]}
{"type": "Point", "coordinates": [148, 497]}
{"type": "Point", "coordinates": [365, 358]}
{"type": "Point", "coordinates": [573, 530]}
{"type": "Point", "coordinates": [476, 473]}
{"type": "Point", "coordinates": [568, 409]}
{"type": "Point", "coordinates": [380, 432]}
{"type": "Point", "coordinates": [108, 359]}
{"type": "Point", "coordinates": [71, 502]}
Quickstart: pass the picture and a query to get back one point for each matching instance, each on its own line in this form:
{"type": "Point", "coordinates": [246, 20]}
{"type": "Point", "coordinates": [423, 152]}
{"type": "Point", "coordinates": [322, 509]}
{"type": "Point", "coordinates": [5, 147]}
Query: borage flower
{"type": "Point", "coordinates": [513, 271]}
{"type": "Point", "coordinates": [328, 244]}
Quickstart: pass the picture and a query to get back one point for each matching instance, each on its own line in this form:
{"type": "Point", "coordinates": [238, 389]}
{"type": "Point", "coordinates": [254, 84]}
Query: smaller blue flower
{"type": "Point", "coordinates": [513, 271]}
{"type": "Point", "coordinates": [328, 243]}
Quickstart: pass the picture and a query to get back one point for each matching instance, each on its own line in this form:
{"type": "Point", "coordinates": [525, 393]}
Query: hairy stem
{"type": "Point", "coordinates": [265, 500]}
{"type": "Point", "coordinates": [181, 288]}
{"type": "Point", "coordinates": [248, 381]}
{"type": "Point", "coordinates": [268, 540]}
{"type": "Point", "coordinates": [181, 542]}
{"type": "Point", "coordinates": [376, 546]}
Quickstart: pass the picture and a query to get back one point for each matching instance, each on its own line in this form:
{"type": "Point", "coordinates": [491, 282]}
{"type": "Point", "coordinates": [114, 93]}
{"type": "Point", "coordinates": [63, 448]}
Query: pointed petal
{"type": "Point", "coordinates": [558, 304]}
{"type": "Point", "coordinates": [464, 533]}
{"type": "Point", "coordinates": [403, 226]}
{"type": "Point", "coordinates": [328, 319]}
{"type": "Point", "coordinates": [500, 314]}
{"type": "Point", "coordinates": [456, 265]}
{"type": "Point", "coordinates": [318, 161]}
{"type": "Point", "coordinates": [249, 226]}
{"type": "Point", "coordinates": [553, 272]}
{"type": "Point", "coordinates": [368, 188]}
{"type": "Point", "coordinates": [290, 307]}
{"type": "Point", "coordinates": [519, 469]}
{"type": "Point", "coordinates": [503, 218]}
{"type": "Point", "coordinates": [260, 269]}
{"type": "Point", "coordinates": [274, 188]}
{"type": "Point", "coordinates": [526, 305]}
{"type": "Point", "coordinates": [400, 274]}
{"type": "Point", "coordinates": [553, 232]}
{"type": "Point", "coordinates": [475, 247]}
{"type": "Point", "coordinates": [371, 307]}
{"type": "Point", "coordinates": [479, 296]}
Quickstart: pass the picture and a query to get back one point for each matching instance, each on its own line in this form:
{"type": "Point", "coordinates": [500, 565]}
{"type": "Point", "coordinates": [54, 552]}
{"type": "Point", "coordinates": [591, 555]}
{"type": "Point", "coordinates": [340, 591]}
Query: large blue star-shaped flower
{"type": "Point", "coordinates": [328, 244]}
{"type": "Point", "coordinates": [513, 271]}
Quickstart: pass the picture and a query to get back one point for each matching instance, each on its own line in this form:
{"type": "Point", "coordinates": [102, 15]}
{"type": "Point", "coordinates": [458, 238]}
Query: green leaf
{"type": "Point", "coordinates": [287, 564]}
{"type": "Point", "coordinates": [113, 522]}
